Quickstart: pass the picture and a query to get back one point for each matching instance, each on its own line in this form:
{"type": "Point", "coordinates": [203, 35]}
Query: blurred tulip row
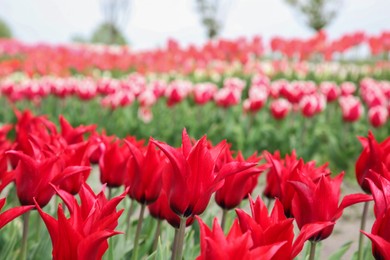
{"type": "Point", "coordinates": [46, 59]}
{"type": "Point", "coordinates": [284, 97]}
{"type": "Point", "coordinates": [170, 187]}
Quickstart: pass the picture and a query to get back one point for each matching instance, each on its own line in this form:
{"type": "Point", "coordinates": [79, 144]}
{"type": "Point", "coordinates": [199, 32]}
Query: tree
{"type": "Point", "coordinates": [115, 13]}
{"type": "Point", "coordinates": [107, 33]}
{"type": "Point", "coordinates": [212, 13]}
{"type": "Point", "coordinates": [5, 31]}
{"type": "Point", "coordinates": [317, 13]}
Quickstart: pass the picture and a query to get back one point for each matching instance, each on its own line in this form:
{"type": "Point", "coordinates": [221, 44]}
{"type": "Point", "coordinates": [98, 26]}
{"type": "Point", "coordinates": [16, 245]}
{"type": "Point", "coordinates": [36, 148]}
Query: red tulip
{"type": "Point", "coordinates": [380, 235]}
{"type": "Point", "coordinates": [193, 178]}
{"type": "Point", "coordinates": [380, 188]}
{"type": "Point", "coordinates": [5, 177]}
{"type": "Point", "coordinates": [237, 187]}
{"type": "Point", "coordinates": [289, 169]}
{"type": "Point", "coordinates": [351, 108]}
{"type": "Point", "coordinates": [8, 215]}
{"type": "Point", "coordinates": [330, 90]}
{"type": "Point", "coordinates": [98, 145]}
{"type": "Point", "coordinates": [275, 228]}
{"type": "Point", "coordinates": [204, 92]}
{"type": "Point", "coordinates": [319, 202]}
{"type": "Point", "coordinates": [145, 182]}
{"type": "Point", "coordinates": [378, 116]}
{"type": "Point", "coordinates": [75, 155]}
{"type": "Point", "coordinates": [34, 175]}
{"type": "Point", "coordinates": [74, 135]}
{"type": "Point", "coordinates": [280, 108]}
{"type": "Point", "coordinates": [160, 208]}
{"type": "Point", "coordinates": [236, 245]}
{"type": "Point", "coordinates": [84, 234]}
{"type": "Point", "coordinates": [374, 157]}
{"type": "Point", "coordinates": [113, 164]}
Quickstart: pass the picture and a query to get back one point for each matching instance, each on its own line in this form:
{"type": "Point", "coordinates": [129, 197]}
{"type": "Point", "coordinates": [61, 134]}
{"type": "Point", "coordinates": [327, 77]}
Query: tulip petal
{"type": "Point", "coordinates": [307, 231]}
{"type": "Point", "coordinates": [12, 213]}
{"type": "Point", "coordinates": [381, 245]}
{"type": "Point", "coordinates": [94, 246]}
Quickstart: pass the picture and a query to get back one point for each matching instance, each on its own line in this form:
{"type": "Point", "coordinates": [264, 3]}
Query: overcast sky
{"type": "Point", "coordinates": [152, 22]}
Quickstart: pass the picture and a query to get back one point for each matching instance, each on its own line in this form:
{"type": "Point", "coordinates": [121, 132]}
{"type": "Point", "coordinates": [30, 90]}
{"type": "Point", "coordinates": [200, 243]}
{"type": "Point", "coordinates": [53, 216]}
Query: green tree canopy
{"type": "Point", "coordinates": [108, 33]}
{"type": "Point", "coordinates": [317, 13]}
{"type": "Point", "coordinates": [212, 14]}
{"type": "Point", "coordinates": [5, 31]}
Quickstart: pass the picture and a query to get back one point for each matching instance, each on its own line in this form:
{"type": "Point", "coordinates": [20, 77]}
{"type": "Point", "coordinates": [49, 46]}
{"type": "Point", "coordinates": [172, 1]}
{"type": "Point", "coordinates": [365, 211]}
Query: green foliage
{"type": "Point", "coordinates": [5, 30]}
{"type": "Point", "coordinates": [108, 33]}
{"type": "Point", "coordinates": [317, 13]}
{"type": "Point", "coordinates": [210, 15]}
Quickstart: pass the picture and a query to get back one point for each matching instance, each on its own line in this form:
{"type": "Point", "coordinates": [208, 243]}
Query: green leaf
{"type": "Point", "coordinates": [338, 254]}
{"type": "Point", "coordinates": [162, 252]}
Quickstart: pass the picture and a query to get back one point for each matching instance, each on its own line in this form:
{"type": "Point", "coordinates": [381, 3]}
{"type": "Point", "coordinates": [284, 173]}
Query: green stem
{"type": "Point", "coordinates": [223, 220]}
{"type": "Point", "coordinates": [38, 228]}
{"type": "Point", "coordinates": [174, 245]}
{"type": "Point", "coordinates": [138, 232]}
{"type": "Point", "coordinates": [109, 193]}
{"type": "Point", "coordinates": [180, 239]}
{"type": "Point", "coordinates": [362, 227]}
{"type": "Point", "coordinates": [26, 218]}
{"type": "Point", "coordinates": [128, 218]}
{"type": "Point", "coordinates": [312, 250]}
{"type": "Point", "coordinates": [157, 235]}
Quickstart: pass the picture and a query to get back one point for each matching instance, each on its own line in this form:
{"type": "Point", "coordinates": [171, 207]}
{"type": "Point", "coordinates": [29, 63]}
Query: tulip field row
{"type": "Point", "coordinates": [253, 114]}
{"type": "Point", "coordinates": [150, 191]}
{"type": "Point", "coordinates": [44, 59]}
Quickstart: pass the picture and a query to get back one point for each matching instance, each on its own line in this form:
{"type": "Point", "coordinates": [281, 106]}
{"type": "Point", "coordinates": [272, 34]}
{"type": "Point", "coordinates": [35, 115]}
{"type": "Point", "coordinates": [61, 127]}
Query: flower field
{"type": "Point", "coordinates": [231, 150]}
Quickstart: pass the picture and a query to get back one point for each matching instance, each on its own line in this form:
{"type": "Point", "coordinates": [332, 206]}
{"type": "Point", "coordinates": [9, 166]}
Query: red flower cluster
{"type": "Point", "coordinates": [84, 234]}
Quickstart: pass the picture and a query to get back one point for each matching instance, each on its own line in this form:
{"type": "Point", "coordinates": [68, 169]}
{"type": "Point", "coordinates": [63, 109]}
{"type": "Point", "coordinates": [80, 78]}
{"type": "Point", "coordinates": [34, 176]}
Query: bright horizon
{"type": "Point", "coordinates": [152, 22]}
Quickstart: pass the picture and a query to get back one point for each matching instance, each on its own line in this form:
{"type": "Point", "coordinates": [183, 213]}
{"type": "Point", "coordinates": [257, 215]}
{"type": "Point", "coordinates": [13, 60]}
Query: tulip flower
{"type": "Point", "coordinates": [8, 215]}
{"type": "Point", "coordinates": [193, 179]}
{"type": "Point", "coordinates": [257, 97]}
{"type": "Point", "coordinates": [236, 245]}
{"type": "Point", "coordinates": [98, 145]}
{"type": "Point", "coordinates": [319, 202]}
{"type": "Point", "coordinates": [145, 181]}
{"type": "Point", "coordinates": [204, 92]}
{"type": "Point", "coordinates": [351, 108]}
{"type": "Point", "coordinates": [378, 116]}
{"type": "Point", "coordinates": [160, 208]}
{"type": "Point", "coordinates": [284, 170]}
{"type": "Point", "coordinates": [280, 108]}
{"type": "Point", "coordinates": [275, 228]}
{"type": "Point", "coordinates": [74, 135]}
{"type": "Point", "coordinates": [379, 186]}
{"type": "Point", "coordinates": [238, 186]}
{"type": "Point", "coordinates": [177, 90]}
{"type": "Point", "coordinates": [145, 169]}
{"type": "Point", "coordinates": [5, 177]}
{"type": "Point", "coordinates": [75, 155]}
{"type": "Point", "coordinates": [380, 230]}
{"type": "Point", "coordinates": [330, 90]}
{"type": "Point", "coordinates": [347, 88]}
{"type": "Point", "coordinates": [84, 234]}
{"type": "Point", "coordinates": [373, 160]}
{"type": "Point", "coordinates": [113, 164]}
{"type": "Point", "coordinates": [374, 157]}
{"type": "Point", "coordinates": [33, 177]}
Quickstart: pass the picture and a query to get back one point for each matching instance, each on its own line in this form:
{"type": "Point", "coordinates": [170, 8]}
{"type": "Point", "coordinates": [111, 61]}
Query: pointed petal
{"type": "Point", "coordinates": [306, 233]}
{"type": "Point", "coordinates": [89, 246]}
{"type": "Point", "coordinates": [8, 215]}
{"type": "Point", "coordinates": [381, 244]}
